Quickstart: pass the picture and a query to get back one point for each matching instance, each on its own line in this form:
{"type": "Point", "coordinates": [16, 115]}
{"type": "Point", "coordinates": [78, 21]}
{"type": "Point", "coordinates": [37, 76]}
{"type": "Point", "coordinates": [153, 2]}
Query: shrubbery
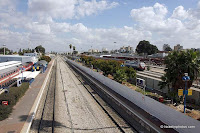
{"type": "Point", "coordinates": [111, 67]}
{"type": "Point", "coordinates": [46, 58]}
{"type": "Point", "coordinates": [15, 93]}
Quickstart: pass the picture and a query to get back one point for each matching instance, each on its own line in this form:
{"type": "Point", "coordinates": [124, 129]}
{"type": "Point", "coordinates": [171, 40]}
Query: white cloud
{"type": "Point", "coordinates": [180, 13]}
{"type": "Point", "coordinates": [148, 14]}
{"type": "Point", "coordinates": [7, 5]}
{"type": "Point", "coordinates": [37, 28]}
{"type": "Point", "coordinates": [68, 9]}
{"type": "Point", "coordinates": [41, 26]}
{"type": "Point", "coordinates": [86, 8]}
{"type": "Point", "coordinates": [198, 5]}
{"type": "Point", "coordinates": [181, 27]}
{"type": "Point", "coordinates": [55, 8]}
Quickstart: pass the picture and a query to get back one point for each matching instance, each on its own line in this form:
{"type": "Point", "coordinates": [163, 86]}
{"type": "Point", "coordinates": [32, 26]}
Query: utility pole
{"type": "Point", "coordinates": [186, 78]}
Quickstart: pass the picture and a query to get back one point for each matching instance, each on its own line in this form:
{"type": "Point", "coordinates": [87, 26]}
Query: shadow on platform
{"type": "Point", "coordinates": [45, 124]}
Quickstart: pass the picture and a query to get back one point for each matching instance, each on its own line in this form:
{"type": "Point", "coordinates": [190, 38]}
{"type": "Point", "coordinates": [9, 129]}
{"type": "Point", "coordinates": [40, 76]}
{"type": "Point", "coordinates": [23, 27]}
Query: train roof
{"type": "Point", "coordinates": [42, 62]}
{"type": "Point", "coordinates": [8, 70]}
{"type": "Point", "coordinates": [7, 65]}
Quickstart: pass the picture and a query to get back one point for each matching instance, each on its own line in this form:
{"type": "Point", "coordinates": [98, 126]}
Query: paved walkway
{"type": "Point", "coordinates": [16, 120]}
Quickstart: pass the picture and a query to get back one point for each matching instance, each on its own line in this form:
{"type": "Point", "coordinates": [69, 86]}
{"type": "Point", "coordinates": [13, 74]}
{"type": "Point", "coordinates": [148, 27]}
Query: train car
{"type": "Point", "coordinates": [105, 56]}
{"type": "Point", "coordinates": [8, 70]}
{"type": "Point", "coordinates": [135, 64]}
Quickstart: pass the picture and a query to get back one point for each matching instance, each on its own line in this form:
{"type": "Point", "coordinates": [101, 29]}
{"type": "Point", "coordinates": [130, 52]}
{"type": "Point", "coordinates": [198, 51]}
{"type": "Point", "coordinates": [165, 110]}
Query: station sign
{"type": "Point", "coordinates": [189, 92]}
{"type": "Point", "coordinates": [19, 82]}
{"type": "Point", "coordinates": [140, 82]}
{"type": "Point", "coordinates": [181, 92]}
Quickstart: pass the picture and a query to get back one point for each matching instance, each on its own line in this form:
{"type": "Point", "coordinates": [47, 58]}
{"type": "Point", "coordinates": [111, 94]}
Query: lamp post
{"type": "Point", "coordinates": [114, 47]}
{"type": "Point", "coordinates": [186, 78]}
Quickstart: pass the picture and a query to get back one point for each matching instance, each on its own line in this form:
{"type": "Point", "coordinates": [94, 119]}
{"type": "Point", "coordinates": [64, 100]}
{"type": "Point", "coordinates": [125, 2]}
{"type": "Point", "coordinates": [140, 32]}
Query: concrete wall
{"type": "Point", "coordinates": [153, 107]}
{"type": "Point", "coordinates": [152, 83]}
{"type": "Point", "coordinates": [195, 95]}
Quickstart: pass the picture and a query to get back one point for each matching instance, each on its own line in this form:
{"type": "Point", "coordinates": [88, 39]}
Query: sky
{"type": "Point", "coordinates": [97, 24]}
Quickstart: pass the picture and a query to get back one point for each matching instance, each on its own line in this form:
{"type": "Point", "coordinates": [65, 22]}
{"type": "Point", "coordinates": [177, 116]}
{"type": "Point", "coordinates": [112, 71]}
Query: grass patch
{"type": "Point", "coordinates": [146, 92]}
{"type": "Point", "coordinates": [15, 93]}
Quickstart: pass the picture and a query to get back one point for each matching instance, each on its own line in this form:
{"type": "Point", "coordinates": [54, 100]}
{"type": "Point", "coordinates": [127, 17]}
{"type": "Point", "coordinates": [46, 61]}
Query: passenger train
{"type": "Point", "coordinates": [154, 61]}
{"type": "Point", "coordinates": [8, 70]}
{"type": "Point", "coordinates": [135, 64]}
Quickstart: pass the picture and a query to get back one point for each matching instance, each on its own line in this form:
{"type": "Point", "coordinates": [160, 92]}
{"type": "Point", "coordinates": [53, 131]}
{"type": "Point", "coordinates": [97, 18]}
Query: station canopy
{"type": "Point", "coordinates": [42, 62]}
{"type": "Point", "coordinates": [28, 74]}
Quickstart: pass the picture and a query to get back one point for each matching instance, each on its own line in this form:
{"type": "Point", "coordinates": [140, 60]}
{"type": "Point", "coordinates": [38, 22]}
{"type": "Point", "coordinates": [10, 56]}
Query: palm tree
{"type": "Point", "coordinates": [178, 63]}
{"type": "Point", "coordinates": [74, 48]}
{"type": "Point", "coordinates": [70, 46]}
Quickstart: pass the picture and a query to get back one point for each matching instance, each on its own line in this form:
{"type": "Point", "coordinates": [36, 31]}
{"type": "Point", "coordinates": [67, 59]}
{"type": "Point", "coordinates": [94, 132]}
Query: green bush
{"type": "Point", "coordinates": [111, 67]}
{"type": "Point", "coordinates": [15, 93]}
{"type": "Point", "coordinates": [5, 111]}
{"type": "Point", "coordinates": [46, 58]}
{"type": "Point", "coordinates": [120, 75]}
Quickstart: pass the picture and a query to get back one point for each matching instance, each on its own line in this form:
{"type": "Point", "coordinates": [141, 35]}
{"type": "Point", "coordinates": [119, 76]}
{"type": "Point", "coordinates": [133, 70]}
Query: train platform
{"type": "Point", "coordinates": [21, 111]}
{"type": "Point", "coordinates": [28, 74]}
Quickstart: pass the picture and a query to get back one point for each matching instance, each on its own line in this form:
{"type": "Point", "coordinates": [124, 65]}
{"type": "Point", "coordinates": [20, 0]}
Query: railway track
{"type": "Point", "coordinates": [151, 74]}
{"type": "Point", "coordinates": [134, 115]}
{"type": "Point", "coordinates": [66, 103]}
{"type": "Point", "coordinates": [47, 121]}
{"type": "Point", "coordinates": [123, 128]}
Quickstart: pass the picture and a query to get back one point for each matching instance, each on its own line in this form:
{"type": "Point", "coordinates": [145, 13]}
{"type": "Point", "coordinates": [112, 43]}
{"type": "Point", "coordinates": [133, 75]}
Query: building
{"type": "Point", "coordinates": [35, 54]}
{"type": "Point", "coordinates": [160, 54]}
{"type": "Point", "coordinates": [165, 46]}
{"type": "Point", "coordinates": [105, 50]}
{"type": "Point", "coordinates": [126, 49]}
{"type": "Point", "coordinates": [23, 59]}
{"type": "Point", "coordinates": [93, 51]}
{"type": "Point", "coordinates": [178, 47]}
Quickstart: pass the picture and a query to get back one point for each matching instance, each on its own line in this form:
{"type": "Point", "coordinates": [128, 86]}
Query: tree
{"type": "Point", "coordinates": [120, 75]}
{"type": "Point", "coordinates": [20, 52]}
{"type": "Point", "coordinates": [70, 46]}
{"type": "Point", "coordinates": [75, 52]}
{"type": "Point", "coordinates": [168, 48]}
{"type": "Point", "coordinates": [178, 63]}
{"type": "Point", "coordinates": [40, 49]}
{"type": "Point", "coordinates": [46, 58]}
{"type": "Point", "coordinates": [146, 47]}
{"type": "Point", "coordinates": [32, 51]}
{"type": "Point", "coordinates": [6, 51]}
{"type": "Point", "coordinates": [74, 48]}
{"type": "Point", "coordinates": [131, 73]}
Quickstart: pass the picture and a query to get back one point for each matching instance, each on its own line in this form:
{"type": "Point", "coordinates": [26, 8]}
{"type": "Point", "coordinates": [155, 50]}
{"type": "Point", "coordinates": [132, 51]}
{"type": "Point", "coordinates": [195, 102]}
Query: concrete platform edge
{"type": "Point", "coordinates": [34, 108]}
